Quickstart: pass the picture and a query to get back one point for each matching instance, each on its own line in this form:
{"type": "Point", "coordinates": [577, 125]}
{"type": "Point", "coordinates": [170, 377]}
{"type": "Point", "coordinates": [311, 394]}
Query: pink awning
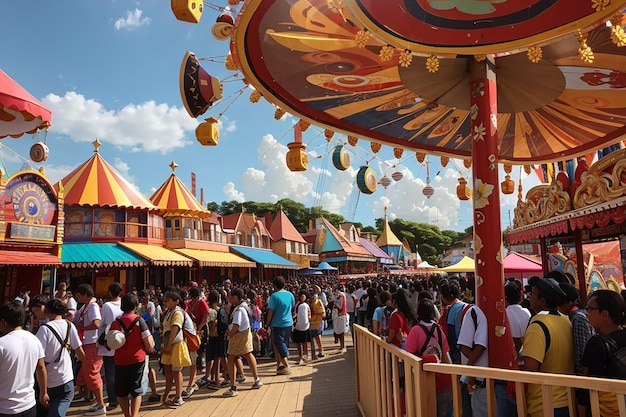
{"type": "Point", "coordinates": [20, 112]}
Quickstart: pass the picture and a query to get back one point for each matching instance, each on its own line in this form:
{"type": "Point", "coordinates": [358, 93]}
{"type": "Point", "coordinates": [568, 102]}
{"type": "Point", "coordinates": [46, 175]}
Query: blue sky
{"type": "Point", "coordinates": [109, 70]}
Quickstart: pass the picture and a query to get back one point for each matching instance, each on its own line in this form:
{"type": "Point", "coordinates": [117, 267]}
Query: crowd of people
{"type": "Point", "coordinates": [78, 346]}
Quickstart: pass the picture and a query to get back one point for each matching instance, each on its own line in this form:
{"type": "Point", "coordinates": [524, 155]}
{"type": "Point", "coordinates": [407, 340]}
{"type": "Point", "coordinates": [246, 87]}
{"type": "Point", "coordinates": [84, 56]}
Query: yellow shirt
{"type": "Point", "coordinates": [558, 359]}
{"type": "Point", "coordinates": [317, 309]}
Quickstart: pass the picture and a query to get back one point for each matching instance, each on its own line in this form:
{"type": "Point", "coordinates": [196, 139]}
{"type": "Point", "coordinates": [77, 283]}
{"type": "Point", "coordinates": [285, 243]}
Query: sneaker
{"type": "Point", "coordinates": [79, 399]}
{"type": "Point", "coordinates": [94, 406]}
{"type": "Point", "coordinates": [257, 384]}
{"type": "Point", "coordinates": [240, 378]}
{"type": "Point", "coordinates": [202, 382]}
{"type": "Point", "coordinates": [301, 362]}
{"type": "Point", "coordinates": [232, 392]}
{"type": "Point", "coordinates": [225, 383]}
{"type": "Point", "coordinates": [97, 412]}
{"type": "Point", "coordinates": [176, 402]}
{"type": "Point", "coordinates": [283, 370]}
{"type": "Point", "coordinates": [189, 391]}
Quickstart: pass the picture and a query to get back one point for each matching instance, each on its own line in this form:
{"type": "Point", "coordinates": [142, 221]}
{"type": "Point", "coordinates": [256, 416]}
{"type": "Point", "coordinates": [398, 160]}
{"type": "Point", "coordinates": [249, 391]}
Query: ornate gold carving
{"type": "Point", "coordinates": [598, 186]}
{"type": "Point", "coordinates": [542, 202]}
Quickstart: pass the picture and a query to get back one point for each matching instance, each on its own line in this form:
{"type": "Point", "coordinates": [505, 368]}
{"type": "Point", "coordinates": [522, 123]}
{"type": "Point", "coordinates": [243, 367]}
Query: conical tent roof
{"type": "Point", "coordinates": [387, 238]}
{"type": "Point", "coordinates": [466, 264]}
{"type": "Point", "coordinates": [174, 197]}
{"type": "Point", "coordinates": [96, 183]}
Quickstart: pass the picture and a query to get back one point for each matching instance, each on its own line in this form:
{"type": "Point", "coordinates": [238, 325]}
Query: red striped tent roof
{"type": "Point", "coordinates": [96, 183]}
{"type": "Point", "coordinates": [175, 198]}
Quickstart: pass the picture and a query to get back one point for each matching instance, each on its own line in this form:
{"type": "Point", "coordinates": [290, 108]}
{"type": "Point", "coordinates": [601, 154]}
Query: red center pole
{"type": "Point", "coordinates": [487, 226]}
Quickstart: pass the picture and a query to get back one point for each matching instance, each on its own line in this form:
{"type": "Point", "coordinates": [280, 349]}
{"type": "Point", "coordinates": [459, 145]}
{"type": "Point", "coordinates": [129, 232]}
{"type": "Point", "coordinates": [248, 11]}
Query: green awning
{"type": "Point", "coordinates": [97, 255]}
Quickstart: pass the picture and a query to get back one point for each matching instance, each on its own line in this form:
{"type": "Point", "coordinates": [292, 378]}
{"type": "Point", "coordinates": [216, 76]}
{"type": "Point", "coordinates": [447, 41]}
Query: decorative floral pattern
{"type": "Point", "coordinates": [362, 38]}
{"type": "Point", "coordinates": [482, 192]}
{"type": "Point", "coordinates": [480, 58]}
{"type": "Point", "coordinates": [584, 51]}
{"type": "Point", "coordinates": [432, 64]}
{"type": "Point", "coordinates": [600, 5]}
{"type": "Point", "coordinates": [474, 111]}
{"type": "Point", "coordinates": [479, 132]}
{"type": "Point", "coordinates": [255, 96]}
{"type": "Point", "coordinates": [406, 57]}
{"type": "Point", "coordinates": [386, 53]}
{"type": "Point", "coordinates": [477, 89]}
{"type": "Point", "coordinates": [475, 7]}
{"type": "Point", "coordinates": [534, 54]}
{"type": "Point", "coordinates": [478, 244]}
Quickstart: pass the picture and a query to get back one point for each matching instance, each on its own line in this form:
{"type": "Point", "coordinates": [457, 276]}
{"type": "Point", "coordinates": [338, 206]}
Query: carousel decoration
{"type": "Point", "coordinates": [444, 161]}
{"type": "Point", "coordinates": [420, 156]}
{"type": "Point", "coordinates": [341, 158]}
{"type": "Point", "coordinates": [397, 152]}
{"type": "Point", "coordinates": [384, 181]}
{"type": "Point", "coordinates": [366, 180]}
{"type": "Point", "coordinates": [353, 140]}
{"type": "Point", "coordinates": [402, 80]}
{"type": "Point", "coordinates": [304, 124]}
{"type": "Point", "coordinates": [255, 96]}
{"type": "Point", "coordinates": [223, 27]}
{"type": "Point", "coordinates": [397, 176]}
{"type": "Point", "coordinates": [328, 134]}
{"type": "Point", "coordinates": [428, 190]}
{"type": "Point", "coordinates": [207, 133]}
{"type": "Point", "coordinates": [375, 147]}
{"type": "Point", "coordinates": [508, 185]}
{"type": "Point", "coordinates": [39, 151]}
{"type": "Point", "coordinates": [20, 112]}
{"type": "Point", "coordinates": [198, 89]}
{"type": "Point", "coordinates": [463, 192]}
{"type": "Point", "coordinates": [296, 158]}
{"type": "Point", "coordinates": [188, 10]}
{"type": "Point", "coordinates": [279, 113]}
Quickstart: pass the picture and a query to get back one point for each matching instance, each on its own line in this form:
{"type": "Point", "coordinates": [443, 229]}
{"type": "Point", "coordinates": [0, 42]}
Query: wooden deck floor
{"type": "Point", "coordinates": [324, 388]}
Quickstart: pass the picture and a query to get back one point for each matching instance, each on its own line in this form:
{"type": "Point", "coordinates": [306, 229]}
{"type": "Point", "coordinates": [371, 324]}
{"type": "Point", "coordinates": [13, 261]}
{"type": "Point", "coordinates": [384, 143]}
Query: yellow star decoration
{"type": "Point", "coordinates": [230, 63]}
{"type": "Point", "coordinates": [279, 113]}
{"type": "Point", "coordinates": [600, 5]}
{"type": "Point", "coordinates": [618, 36]}
{"type": "Point", "coordinates": [480, 58]}
{"type": "Point", "coordinates": [584, 51]}
{"type": "Point", "coordinates": [432, 64]}
{"type": "Point", "coordinates": [362, 38]}
{"type": "Point", "coordinates": [534, 54]}
{"type": "Point", "coordinates": [386, 53]}
{"type": "Point", "coordinates": [406, 57]}
{"type": "Point", "coordinates": [255, 96]}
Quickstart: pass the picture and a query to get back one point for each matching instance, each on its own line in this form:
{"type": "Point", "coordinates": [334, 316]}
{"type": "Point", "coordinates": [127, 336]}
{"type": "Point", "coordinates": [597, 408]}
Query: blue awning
{"type": "Point", "coordinates": [265, 257]}
{"type": "Point", "coordinates": [97, 255]}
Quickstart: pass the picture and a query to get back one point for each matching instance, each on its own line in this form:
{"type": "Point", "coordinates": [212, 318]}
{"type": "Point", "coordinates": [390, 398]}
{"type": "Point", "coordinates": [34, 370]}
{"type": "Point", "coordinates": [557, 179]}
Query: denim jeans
{"type": "Point", "coordinates": [505, 405]}
{"type": "Point", "coordinates": [479, 402]}
{"type": "Point", "coordinates": [281, 336]}
{"type": "Point", "coordinates": [109, 377]}
{"type": "Point", "coordinates": [60, 399]}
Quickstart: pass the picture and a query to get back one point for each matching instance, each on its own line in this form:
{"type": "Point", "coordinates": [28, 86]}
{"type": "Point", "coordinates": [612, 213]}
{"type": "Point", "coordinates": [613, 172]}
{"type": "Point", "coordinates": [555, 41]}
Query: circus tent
{"type": "Point", "coordinates": [388, 241]}
{"type": "Point", "coordinates": [96, 183]}
{"type": "Point", "coordinates": [173, 197]}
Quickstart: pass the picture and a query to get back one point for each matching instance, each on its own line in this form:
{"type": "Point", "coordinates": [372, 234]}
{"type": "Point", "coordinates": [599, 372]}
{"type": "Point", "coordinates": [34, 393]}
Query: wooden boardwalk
{"type": "Point", "coordinates": [324, 388]}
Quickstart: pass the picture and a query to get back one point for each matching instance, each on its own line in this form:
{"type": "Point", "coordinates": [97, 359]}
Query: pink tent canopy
{"type": "Point", "coordinates": [516, 263]}
{"type": "Point", "coordinates": [20, 112]}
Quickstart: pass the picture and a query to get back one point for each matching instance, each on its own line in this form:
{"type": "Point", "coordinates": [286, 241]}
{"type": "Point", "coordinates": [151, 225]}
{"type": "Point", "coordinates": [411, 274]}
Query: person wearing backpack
{"type": "Point", "coordinates": [450, 320]}
{"type": "Point", "coordinates": [605, 353]}
{"type": "Point", "coordinates": [547, 345]}
{"type": "Point", "coordinates": [215, 352]}
{"type": "Point", "coordinates": [57, 337]}
{"type": "Point", "coordinates": [382, 314]}
{"type": "Point", "coordinates": [130, 358]}
{"type": "Point", "coordinates": [428, 341]}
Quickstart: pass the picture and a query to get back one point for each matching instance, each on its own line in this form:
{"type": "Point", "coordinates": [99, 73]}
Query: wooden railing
{"type": "Point", "coordinates": [379, 368]}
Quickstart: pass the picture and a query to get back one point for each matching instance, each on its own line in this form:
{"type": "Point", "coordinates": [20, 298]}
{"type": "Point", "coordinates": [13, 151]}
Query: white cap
{"type": "Point", "coordinates": [115, 339]}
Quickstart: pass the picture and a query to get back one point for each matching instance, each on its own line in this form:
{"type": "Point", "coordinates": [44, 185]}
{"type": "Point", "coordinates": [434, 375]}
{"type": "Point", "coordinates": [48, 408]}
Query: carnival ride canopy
{"type": "Point", "coordinates": [20, 112]}
{"type": "Point", "coordinates": [466, 264]}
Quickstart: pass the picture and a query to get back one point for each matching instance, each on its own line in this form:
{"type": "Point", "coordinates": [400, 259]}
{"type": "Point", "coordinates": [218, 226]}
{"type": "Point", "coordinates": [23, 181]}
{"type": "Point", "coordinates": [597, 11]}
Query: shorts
{"type": "Point", "coordinates": [301, 336]}
{"type": "Point", "coordinates": [128, 379]}
{"type": "Point", "coordinates": [215, 348]}
{"type": "Point", "coordinates": [313, 333]}
{"type": "Point", "coordinates": [193, 356]}
{"type": "Point", "coordinates": [89, 373]}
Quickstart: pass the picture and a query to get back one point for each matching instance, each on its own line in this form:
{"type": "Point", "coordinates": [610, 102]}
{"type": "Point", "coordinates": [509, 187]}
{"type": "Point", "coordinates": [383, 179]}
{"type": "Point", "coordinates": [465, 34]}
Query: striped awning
{"type": "Point", "coordinates": [96, 183]}
{"type": "Point", "coordinates": [175, 198]}
{"type": "Point", "coordinates": [28, 258]}
{"type": "Point", "coordinates": [157, 255]}
{"type": "Point", "coordinates": [264, 257]}
{"type": "Point", "coordinates": [99, 255]}
{"type": "Point", "coordinates": [215, 258]}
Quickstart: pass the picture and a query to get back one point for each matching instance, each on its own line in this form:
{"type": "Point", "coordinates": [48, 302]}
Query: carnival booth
{"type": "Point", "coordinates": [580, 221]}
{"type": "Point", "coordinates": [521, 267]}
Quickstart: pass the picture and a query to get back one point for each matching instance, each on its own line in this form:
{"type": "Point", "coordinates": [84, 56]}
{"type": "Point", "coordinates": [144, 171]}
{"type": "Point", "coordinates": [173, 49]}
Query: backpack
{"type": "Point", "coordinates": [222, 322]}
{"type": "Point", "coordinates": [453, 330]}
{"type": "Point", "coordinates": [65, 344]}
{"type": "Point", "coordinates": [430, 349]}
{"type": "Point", "coordinates": [384, 321]}
{"type": "Point", "coordinates": [616, 368]}
{"type": "Point", "coordinates": [125, 332]}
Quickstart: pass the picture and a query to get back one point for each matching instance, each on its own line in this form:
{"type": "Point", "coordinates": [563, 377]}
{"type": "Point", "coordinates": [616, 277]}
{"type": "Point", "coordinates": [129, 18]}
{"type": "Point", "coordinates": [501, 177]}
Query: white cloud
{"type": "Point", "coordinates": [84, 119]}
{"type": "Point", "coordinates": [232, 193]}
{"type": "Point", "coordinates": [123, 169]}
{"type": "Point", "coordinates": [133, 20]}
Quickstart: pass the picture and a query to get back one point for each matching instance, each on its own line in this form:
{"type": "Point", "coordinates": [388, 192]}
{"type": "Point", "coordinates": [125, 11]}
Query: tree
{"type": "Point", "coordinates": [213, 207]}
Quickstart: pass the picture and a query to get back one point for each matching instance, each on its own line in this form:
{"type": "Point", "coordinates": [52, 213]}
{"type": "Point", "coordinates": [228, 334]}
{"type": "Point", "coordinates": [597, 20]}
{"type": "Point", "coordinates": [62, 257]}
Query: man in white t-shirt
{"type": "Point", "coordinates": [87, 321]}
{"type": "Point", "coordinates": [110, 311]}
{"type": "Point", "coordinates": [21, 361]}
{"type": "Point", "coordinates": [473, 346]}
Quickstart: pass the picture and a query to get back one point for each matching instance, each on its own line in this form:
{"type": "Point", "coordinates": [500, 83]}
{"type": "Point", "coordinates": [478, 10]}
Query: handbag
{"type": "Point", "coordinates": [192, 340]}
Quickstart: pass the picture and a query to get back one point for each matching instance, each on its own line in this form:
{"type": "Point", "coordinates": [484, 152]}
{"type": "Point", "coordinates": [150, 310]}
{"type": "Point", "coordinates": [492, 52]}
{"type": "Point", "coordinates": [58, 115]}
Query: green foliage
{"type": "Point", "coordinates": [428, 239]}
